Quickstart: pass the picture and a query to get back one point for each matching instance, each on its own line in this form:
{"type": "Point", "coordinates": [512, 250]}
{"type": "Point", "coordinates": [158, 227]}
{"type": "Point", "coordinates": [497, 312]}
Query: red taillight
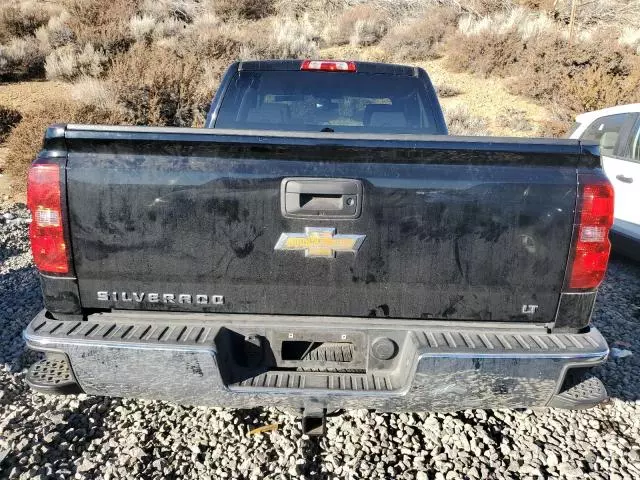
{"type": "Point", "coordinates": [328, 65]}
{"type": "Point", "coordinates": [591, 243]}
{"type": "Point", "coordinates": [46, 231]}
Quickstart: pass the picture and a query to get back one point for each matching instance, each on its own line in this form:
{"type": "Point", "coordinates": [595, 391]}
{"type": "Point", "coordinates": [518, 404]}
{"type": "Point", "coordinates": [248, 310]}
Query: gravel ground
{"type": "Point", "coordinates": [92, 437]}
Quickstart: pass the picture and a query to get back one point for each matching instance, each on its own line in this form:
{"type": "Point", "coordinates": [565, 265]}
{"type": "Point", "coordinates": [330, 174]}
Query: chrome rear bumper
{"type": "Point", "coordinates": [191, 359]}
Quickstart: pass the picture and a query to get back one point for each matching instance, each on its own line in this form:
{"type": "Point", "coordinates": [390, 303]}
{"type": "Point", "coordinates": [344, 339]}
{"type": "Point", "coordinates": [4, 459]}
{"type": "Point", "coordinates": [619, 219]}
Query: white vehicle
{"type": "Point", "coordinates": [617, 129]}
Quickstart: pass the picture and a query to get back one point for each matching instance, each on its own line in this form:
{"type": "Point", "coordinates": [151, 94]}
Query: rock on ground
{"type": "Point", "coordinates": [92, 437]}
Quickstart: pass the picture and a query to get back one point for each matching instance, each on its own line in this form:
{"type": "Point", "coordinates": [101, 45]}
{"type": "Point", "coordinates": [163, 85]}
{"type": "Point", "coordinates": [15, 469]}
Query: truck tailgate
{"type": "Point", "coordinates": [446, 228]}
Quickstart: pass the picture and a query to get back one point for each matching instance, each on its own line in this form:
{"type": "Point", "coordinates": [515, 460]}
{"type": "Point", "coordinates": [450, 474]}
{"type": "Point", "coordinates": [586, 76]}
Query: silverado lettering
{"type": "Point", "coordinates": [374, 260]}
{"type": "Point", "coordinates": [164, 297]}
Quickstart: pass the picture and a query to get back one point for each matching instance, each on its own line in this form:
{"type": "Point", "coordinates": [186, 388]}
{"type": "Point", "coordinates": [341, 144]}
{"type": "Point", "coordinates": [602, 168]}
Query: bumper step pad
{"type": "Point", "coordinates": [580, 390]}
{"type": "Point", "coordinates": [53, 375]}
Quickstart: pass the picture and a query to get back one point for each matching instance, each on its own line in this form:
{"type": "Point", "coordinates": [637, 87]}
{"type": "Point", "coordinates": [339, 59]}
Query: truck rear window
{"type": "Point", "coordinates": [323, 101]}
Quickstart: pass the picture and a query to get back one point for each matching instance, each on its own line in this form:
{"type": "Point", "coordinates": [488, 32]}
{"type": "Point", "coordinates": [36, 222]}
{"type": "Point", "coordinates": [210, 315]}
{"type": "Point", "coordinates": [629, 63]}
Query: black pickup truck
{"type": "Point", "coordinates": [321, 244]}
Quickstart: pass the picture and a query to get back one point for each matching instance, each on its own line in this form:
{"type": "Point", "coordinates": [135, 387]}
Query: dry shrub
{"type": "Point", "coordinates": [9, 118]}
{"type": "Point", "coordinates": [185, 11]}
{"type": "Point", "coordinates": [584, 76]}
{"type": "Point", "coordinates": [317, 8]}
{"type": "Point", "coordinates": [22, 59]}
{"type": "Point", "coordinates": [601, 12]}
{"type": "Point", "coordinates": [447, 91]}
{"type": "Point", "coordinates": [142, 27]}
{"type": "Point", "coordinates": [478, 8]}
{"type": "Point", "coordinates": [515, 120]}
{"type": "Point", "coordinates": [206, 44]}
{"type": "Point", "coordinates": [20, 19]}
{"type": "Point", "coordinates": [486, 54]}
{"type": "Point", "coordinates": [170, 79]}
{"type": "Point", "coordinates": [257, 39]}
{"type": "Point", "coordinates": [100, 12]}
{"type": "Point", "coordinates": [595, 88]}
{"type": "Point", "coordinates": [631, 38]}
{"type": "Point", "coordinates": [56, 32]}
{"type": "Point", "coordinates": [420, 39]}
{"type": "Point", "coordinates": [541, 5]}
{"type": "Point", "coordinates": [169, 28]}
{"type": "Point", "coordinates": [598, 51]}
{"type": "Point", "coordinates": [97, 94]}
{"type": "Point", "coordinates": [25, 140]}
{"type": "Point", "coordinates": [70, 62]}
{"type": "Point", "coordinates": [359, 25]}
{"type": "Point", "coordinates": [556, 123]}
{"type": "Point", "coordinates": [529, 25]}
{"type": "Point", "coordinates": [553, 128]}
{"type": "Point", "coordinates": [146, 28]}
{"type": "Point", "coordinates": [368, 32]}
{"type": "Point", "coordinates": [104, 24]}
{"type": "Point", "coordinates": [244, 9]}
{"type": "Point", "coordinates": [293, 39]}
{"type": "Point", "coordinates": [592, 73]}
{"type": "Point", "coordinates": [279, 38]}
{"type": "Point", "coordinates": [461, 122]}
{"type": "Point", "coordinates": [154, 86]}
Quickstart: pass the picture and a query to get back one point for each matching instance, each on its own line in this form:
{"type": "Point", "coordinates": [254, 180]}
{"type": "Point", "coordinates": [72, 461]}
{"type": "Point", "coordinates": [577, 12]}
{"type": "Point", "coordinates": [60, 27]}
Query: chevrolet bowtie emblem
{"type": "Point", "coordinates": [320, 242]}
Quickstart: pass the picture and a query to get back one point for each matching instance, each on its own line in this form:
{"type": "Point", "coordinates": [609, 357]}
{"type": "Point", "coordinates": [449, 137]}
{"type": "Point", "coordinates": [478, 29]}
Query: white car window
{"type": "Point", "coordinates": [606, 131]}
{"type": "Point", "coordinates": [635, 143]}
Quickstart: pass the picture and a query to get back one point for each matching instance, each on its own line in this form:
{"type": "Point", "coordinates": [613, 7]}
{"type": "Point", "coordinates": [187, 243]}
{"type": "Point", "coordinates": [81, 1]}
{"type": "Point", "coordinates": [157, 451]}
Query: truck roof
{"type": "Point", "coordinates": [362, 67]}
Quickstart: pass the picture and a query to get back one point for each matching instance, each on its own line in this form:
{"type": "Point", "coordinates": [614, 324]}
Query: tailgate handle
{"type": "Point", "coordinates": [325, 197]}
